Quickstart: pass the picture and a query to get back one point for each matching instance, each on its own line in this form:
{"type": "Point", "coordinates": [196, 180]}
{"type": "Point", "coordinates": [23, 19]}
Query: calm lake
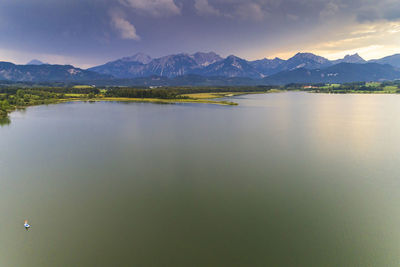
{"type": "Point", "coordinates": [286, 179]}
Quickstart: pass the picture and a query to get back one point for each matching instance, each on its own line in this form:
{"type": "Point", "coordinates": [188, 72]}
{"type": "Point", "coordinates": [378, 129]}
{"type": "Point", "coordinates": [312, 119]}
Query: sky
{"type": "Point", "coordinates": [86, 33]}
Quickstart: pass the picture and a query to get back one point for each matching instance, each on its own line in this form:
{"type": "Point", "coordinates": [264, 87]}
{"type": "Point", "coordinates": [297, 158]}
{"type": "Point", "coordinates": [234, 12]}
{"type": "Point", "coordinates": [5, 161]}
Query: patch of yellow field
{"type": "Point", "coordinates": [275, 91]}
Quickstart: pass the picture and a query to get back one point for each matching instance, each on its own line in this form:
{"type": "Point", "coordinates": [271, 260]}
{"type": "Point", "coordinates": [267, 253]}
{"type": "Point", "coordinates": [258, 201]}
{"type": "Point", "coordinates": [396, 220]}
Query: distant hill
{"type": "Point", "coordinates": [393, 60]}
{"type": "Point", "coordinates": [339, 73]}
{"type": "Point", "coordinates": [121, 69]}
{"type": "Point", "coordinates": [126, 67]}
{"type": "Point", "coordinates": [350, 59]}
{"type": "Point", "coordinates": [307, 61]}
{"type": "Point", "coordinates": [35, 62]}
{"type": "Point", "coordinates": [268, 66]}
{"type": "Point", "coordinates": [139, 57]}
{"type": "Point", "coordinates": [10, 71]}
{"type": "Point", "coordinates": [300, 60]}
{"type": "Point", "coordinates": [232, 66]}
{"type": "Point", "coordinates": [171, 66]}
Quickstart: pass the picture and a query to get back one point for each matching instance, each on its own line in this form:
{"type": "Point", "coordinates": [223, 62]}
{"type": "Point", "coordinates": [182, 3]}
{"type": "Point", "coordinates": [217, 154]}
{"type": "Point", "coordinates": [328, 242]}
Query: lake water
{"type": "Point", "coordinates": [287, 179]}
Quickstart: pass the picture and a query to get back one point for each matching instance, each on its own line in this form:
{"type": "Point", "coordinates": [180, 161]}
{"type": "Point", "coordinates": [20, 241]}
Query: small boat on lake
{"type": "Point", "coordinates": [27, 225]}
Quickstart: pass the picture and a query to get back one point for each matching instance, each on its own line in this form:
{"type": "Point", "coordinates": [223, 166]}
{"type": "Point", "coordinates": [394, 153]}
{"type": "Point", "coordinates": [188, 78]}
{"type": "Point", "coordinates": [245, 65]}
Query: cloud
{"type": "Point", "coordinates": [377, 10]}
{"type": "Point", "coordinates": [250, 10]}
{"type": "Point", "coordinates": [124, 27]}
{"type": "Point", "coordinates": [204, 8]}
{"type": "Point", "coordinates": [292, 17]}
{"type": "Point", "coordinates": [330, 10]}
{"type": "Point", "coordinates": [156, 8]}
{"type": "Point", "coordinates": [368, 39]}
{"type": "Point", "coordinates": [231, 9]}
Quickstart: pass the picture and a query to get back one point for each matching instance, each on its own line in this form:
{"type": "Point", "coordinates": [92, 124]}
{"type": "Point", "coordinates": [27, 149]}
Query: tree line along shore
{"type": "Point", "coordinates": [13, 97]}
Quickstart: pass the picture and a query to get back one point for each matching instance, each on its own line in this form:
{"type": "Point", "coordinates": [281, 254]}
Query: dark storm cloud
{"type": "Point", "coordinates": [380, 10]}
{"type": "Point", "coordinates": [363, 10]}
{"type": "Point", "coordinates": [92, 31]}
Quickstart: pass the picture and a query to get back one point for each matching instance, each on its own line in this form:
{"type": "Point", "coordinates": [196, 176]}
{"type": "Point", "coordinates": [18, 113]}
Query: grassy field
{"type": "Point", "coordinates": [367, 88]}
{"type": "Point", "coordinates": [332, 85]}
{"type": "Point", "coordinates": [276, 91]}
{"type": "Point", "coordinates": [373, 84]}
{"type": "Point", "coordinates": [391, 89]}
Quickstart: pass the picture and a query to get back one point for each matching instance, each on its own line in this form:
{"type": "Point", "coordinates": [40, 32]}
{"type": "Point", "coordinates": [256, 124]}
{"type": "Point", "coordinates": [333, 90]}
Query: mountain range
{"type": "Point", "coordinates": [338, 73]}
{"type": "Point", "coordinates": [209, 68]}
{"type": "Point", "coordinates": [141, 65]}
{"type": "Point", "coordinates": [210, 64]}
{"type": "Point", "coordinates": [46, 72]}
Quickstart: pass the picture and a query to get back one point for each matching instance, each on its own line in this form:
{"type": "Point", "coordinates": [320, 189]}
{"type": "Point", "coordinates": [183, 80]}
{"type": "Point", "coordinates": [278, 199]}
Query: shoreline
{"type": "Point", "coordinates": [216, 95]}
{"type": "Point", "coordinates": [163, 101]}
{"type": "Point", "coordinates": [353, 92]}
{"type": "Point", "coordinates": [126, 99]}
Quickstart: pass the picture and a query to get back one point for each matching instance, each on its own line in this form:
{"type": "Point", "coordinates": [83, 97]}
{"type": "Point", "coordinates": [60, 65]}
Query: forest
{"type": "Point", "coordinates": [13, 97]}
{"type": "Point", "coordinates": [177, 92]}
{"type": "Point", "coordinates": [10, 99]}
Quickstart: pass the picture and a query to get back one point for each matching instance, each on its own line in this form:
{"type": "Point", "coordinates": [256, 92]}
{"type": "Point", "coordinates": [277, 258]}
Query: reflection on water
{"type": "Point", "coordinates": [356, 121]}
{"type": "Point", "coordinates": [4, 121]}
{"type": "Point", "coordinates": [290, 179]}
